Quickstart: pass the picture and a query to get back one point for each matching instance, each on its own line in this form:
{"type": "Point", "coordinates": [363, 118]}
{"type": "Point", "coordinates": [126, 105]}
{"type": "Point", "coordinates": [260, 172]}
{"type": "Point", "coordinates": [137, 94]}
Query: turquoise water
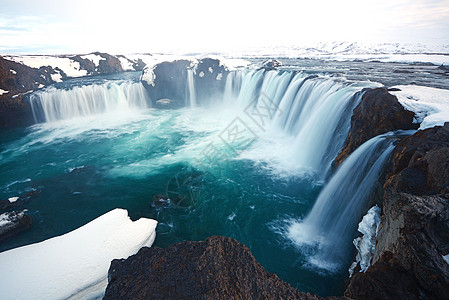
{"type": "Point", "coordinates": [124, 155]}
{"type": "Point", "coordinates": [86, 167]}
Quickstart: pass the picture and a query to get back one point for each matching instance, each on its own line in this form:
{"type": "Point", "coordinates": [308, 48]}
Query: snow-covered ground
{"type": "Point", "coordinates": [431, 105]}
{"type": "Point", "coordinates": [70, 67]}
{"type": "Point", "coordinates": [73, 265]}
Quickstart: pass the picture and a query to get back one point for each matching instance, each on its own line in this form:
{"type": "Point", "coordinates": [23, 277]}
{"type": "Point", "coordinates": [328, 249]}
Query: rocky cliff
{"type": "Point", "coordinates": [18, 78]}
{"type": "Point", "coordinates": [414, 233]}
{"type": "Point", "coordinates": [15, 81]}
{"type": "Point", "coordinates": [218, 268]}
{"type": "Point", "coordinates": [170, 86]}
{"type": "Point", "coordinates": [378, 112]}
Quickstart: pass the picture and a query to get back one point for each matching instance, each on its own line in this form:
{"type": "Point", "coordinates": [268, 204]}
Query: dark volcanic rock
{"type": "Point", "coordinates": [18, 79]}
{"type": "Point", "coordinates": [414, 233]}
{"type": "Point", "coordinates": [109, 65]}
{"type": "Point", "coordinates": [218, 268]}
{"type": "Point", "coordinates": [12, 223]}
{"type": "Point", "coordinates": [270, 64]}
{"type": "Point", "coordinates": [378, 112]}
{"type": "Point", "coordinates": [167, 82]}
{"type": "Point", "coordinates": [210, 79]}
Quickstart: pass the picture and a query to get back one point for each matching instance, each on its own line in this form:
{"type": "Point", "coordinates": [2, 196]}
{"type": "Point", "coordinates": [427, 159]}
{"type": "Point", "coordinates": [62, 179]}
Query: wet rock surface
{"type": "Point", "coordinates": [378, 112]}
{"type": "Point", "coordinates": [12, 223]}
{"type": "Point", "coordinates": [414, 234]}
{"type": "Point", "coordinates": [168, 82]}
{"type": "Point", "coordinates": [218, 268]}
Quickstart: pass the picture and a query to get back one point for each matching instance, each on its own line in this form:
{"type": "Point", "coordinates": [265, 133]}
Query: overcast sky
{"type": "Point", "coordinates": [81, 26]}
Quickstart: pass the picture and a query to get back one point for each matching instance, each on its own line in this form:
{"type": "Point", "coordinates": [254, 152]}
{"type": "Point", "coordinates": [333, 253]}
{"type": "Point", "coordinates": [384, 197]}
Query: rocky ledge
{"type": "Point", "coordinates": [413, 237]}
{"type": "Point", "coordinates": [378, 112]}
{"type": "Point", "coordinates": [218, 268]}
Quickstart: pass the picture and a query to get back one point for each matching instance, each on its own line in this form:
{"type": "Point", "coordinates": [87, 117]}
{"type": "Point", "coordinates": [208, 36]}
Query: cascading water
{"type": "Point", "coordinates": [315, 111]}
{"type": "Point", "coordinates": [53, 104]}
{"type": "Point", "coordinates": [329, 228]}
{"type": "Point", "coordinates": [191, 88]}
{"type": "Point", "coordinates": [311, 115]}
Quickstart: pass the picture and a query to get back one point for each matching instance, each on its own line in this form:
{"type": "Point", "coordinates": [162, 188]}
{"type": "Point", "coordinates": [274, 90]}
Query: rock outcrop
{"type": "Point", "coordinates": [414, 234]}
{"type": "Point", "coordinates": [16, 80]}
{"type": "Point", "coordinates": [218, 268]}
{"type": "Point", "coordinates": [12, 223]}
{"type": "Point", "coordinates": [169, 84]}
{"type": "Point", "coordinates": [378, 112]}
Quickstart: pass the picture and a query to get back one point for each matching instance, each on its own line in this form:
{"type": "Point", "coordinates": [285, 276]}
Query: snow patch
{"type": "Point", "coordinates": [93, 58]}
{"type": "Point", "coordinates": [13, 71]}
{"type": "Point", "coordinates": [56, 77]}
{"type": "Point", "coordinates": [13, 199]}
{"type": "Point", "coordinates": [74, 264]}
{"type": "Point", "coordinates": [70, 67]}
{"type": "Point", "coordinates": [365, 244]}
{"type": "Point", "coordinates": [431, 105]}
{"type": "Point", "coordinates": [126, 64]}
{"type": "Point", "coordinates": [3, 92]}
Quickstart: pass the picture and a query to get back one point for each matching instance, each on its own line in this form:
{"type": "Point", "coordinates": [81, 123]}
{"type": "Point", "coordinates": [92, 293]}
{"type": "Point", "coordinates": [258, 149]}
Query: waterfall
{"type": "Point", "coordinates": [330, 226]}
{"type": "Point", "coordinates": [54, 104]}
{"type": "Point", "coordinates": [191, 88]}
{"type": "Point", "coordinates": [316, 111]}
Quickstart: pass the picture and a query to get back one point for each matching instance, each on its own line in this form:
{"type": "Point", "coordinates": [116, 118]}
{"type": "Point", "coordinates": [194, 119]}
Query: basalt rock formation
{"type": "Point", "coordinates": [16, 80]}
{"type": "Point", "coordinates": [378, 112]}
{"type": "Point", "coordinates": [168, 82]}
{"type": "Point", "coordinates": [414, 234]}
{"type": "Point", "coordinates": [218, 268]}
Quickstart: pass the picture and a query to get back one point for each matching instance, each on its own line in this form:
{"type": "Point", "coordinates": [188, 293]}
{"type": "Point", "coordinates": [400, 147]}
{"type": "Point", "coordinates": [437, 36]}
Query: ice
{"type": "Point", "coordinates": [74, 264]}
{"type": "Point", "coordinates": [3, 92]}
{"type": "Point", "coordinates": [431, 105]}
{"type": "Point", "coordinates": [365, 244]}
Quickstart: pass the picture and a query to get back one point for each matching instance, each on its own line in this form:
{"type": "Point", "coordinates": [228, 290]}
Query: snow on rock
{"type": "Point", "coordinates": [3, 92]}
{"type": "Point", "coordinates": [10, 217]}
{"type": "Point", "coordinates": [126, 64]}
{"type": "Point", "coordinates": [56, 77]}
{"type": "Point", "coordinates": [431, 105]}
{"type": "Point", "coordinates": [68, 66]}
{"type": "Point", "coordinates": [74, 264]}
{"type": "Point", "coordinates": [93, 58]}
{"type": "Point", "coordinates": [365, 244]}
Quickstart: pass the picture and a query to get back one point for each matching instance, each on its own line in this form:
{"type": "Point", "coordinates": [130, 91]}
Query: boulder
{"type": "Point", "coordinates": [218, 268]}
{"type": "Point", "coordinates": [12, 223]}
{"type": "Point", "coordinates": [378, 112]}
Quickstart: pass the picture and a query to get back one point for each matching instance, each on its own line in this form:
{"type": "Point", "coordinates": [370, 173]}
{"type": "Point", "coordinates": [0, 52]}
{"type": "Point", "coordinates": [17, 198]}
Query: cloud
{"type": "Point", "coordinates": [200, 25]}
